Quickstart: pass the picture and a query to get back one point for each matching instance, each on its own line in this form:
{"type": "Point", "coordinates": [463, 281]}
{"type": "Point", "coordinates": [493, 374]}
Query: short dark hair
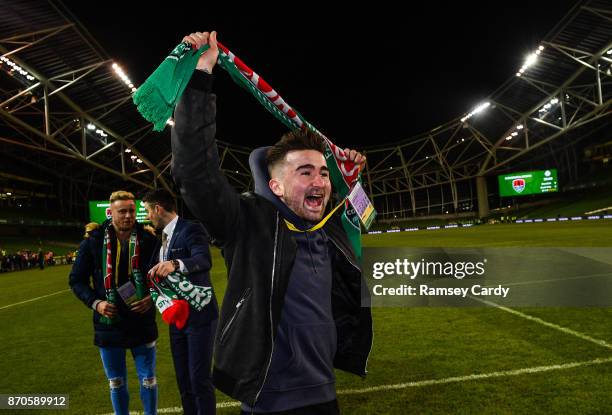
{"type": "Point", "coordinates": [293, 141]}
{"type": "Point", "coordinates": [160, 197]}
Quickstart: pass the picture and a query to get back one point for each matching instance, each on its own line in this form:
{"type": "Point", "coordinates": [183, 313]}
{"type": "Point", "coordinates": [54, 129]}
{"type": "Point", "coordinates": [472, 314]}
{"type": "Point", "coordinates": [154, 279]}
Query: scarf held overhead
{"type": "Point", "coordinates": [157, 97]}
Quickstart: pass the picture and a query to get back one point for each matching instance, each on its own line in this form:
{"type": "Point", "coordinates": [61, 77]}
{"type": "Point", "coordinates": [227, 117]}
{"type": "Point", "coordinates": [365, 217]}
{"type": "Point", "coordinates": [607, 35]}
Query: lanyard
{"type": "Point", "coordinates": [319, 225]}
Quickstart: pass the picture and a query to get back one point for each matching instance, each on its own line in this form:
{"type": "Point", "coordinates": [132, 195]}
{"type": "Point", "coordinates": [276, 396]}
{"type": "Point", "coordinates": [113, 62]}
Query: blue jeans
{"type": "Point", "coordinates": [113, 359]}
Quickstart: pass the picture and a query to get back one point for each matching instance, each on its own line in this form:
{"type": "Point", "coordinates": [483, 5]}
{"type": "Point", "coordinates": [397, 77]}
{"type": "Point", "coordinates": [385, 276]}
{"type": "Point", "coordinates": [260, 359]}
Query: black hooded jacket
{"type": "Point", "coordinates": [259, 251]}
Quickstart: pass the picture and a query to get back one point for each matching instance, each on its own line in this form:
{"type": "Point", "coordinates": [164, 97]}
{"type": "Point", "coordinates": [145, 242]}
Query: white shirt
{"type": "Point", "coordinates": [169, 230]}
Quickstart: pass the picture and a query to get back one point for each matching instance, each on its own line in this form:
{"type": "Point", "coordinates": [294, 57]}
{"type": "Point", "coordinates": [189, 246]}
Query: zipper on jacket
{"type": "Point", "coordinates": [345, 255]}
{"type": "Point", "coordinates": [365, 368]}
{"type": "Point", "coordinates": [245, 295]}
{"type": "Point", "coordinates": [271, 319]}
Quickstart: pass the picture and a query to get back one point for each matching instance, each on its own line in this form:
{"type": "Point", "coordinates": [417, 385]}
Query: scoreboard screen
{"type": "Point", "coordinates": [99, 211]}
{"type": "Point", "coordinates": [528, 183]}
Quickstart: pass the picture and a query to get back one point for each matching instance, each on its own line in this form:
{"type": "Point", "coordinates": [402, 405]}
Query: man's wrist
{"type": "Point", "coordinates": [201, 81]}
{"type": "Point", "coordinates": [94, 305]}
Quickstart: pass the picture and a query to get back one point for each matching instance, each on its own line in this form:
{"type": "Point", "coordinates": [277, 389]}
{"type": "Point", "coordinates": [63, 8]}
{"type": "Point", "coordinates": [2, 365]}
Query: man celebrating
{"type": "Point", "coordinates": [116, 257]}
{"type": "Point", "coordinates": [291, 312]}
{"type": "Point", "coordinates": [185, 249]}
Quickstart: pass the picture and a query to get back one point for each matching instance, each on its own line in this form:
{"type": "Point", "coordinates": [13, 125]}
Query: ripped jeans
{"type": "Point", "coordinates": [113, 359]}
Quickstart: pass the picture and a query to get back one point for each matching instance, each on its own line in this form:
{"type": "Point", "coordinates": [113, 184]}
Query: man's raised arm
{"type": "Point", "coordinates": [195, 156]}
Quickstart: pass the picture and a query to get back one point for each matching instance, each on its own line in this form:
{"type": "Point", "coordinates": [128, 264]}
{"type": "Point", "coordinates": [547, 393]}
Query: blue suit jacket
{"type": "Point", "coordinates": [189, 243]}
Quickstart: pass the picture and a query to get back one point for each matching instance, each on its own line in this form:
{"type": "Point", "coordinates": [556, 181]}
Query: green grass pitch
{"type": "Point", "coordinates": [424, 360]}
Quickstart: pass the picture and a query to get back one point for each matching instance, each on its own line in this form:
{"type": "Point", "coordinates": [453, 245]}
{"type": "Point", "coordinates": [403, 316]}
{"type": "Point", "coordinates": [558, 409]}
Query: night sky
{"type": "Point", "coordinates": [362, 77]}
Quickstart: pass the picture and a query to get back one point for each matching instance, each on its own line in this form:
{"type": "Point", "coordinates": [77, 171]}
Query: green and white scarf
{"type": "Point", "coordinates": [175, 295]}
{"type": "Point", "coordinates": [111, 275]}
{"type": "Point", "coordinates": [157, 97]}
{"type": "Point", "coordinates": [177, 286]}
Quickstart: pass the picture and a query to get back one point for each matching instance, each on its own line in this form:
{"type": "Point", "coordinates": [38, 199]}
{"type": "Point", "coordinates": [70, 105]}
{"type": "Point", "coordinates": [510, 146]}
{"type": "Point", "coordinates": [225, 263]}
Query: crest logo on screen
{"type": "Point", "coordinates": [518, 185]}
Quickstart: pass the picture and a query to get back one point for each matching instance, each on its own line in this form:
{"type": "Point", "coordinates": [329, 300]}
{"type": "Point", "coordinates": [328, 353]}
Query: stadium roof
{"type": "Point", "coordinates": [63, 98]}
{"type": "Point", "coordinates": [64, 107]}
{"type": "Point", "coordinates": [562, 96]}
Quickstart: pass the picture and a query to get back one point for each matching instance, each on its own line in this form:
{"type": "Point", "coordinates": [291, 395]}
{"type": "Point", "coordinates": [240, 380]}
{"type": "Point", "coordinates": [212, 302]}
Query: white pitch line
{"type": "Point", "coordinates": [429, 382]}
{"type": "Point", "coordinates": [546, 323]}
{"type": "Point", "coordinates": [34, 299]}
{"type": "Point", "coordinates": [477, 376]}
{"type": "Point", "coordinates": [579, 277]}
{"type": "Point", "coordinates": [179, 410]}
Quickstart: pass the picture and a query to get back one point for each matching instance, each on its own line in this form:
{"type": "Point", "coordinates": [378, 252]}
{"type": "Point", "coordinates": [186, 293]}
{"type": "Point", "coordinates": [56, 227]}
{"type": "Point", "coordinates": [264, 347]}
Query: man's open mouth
{"type": "Point", "coordinates": [314, 201]}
